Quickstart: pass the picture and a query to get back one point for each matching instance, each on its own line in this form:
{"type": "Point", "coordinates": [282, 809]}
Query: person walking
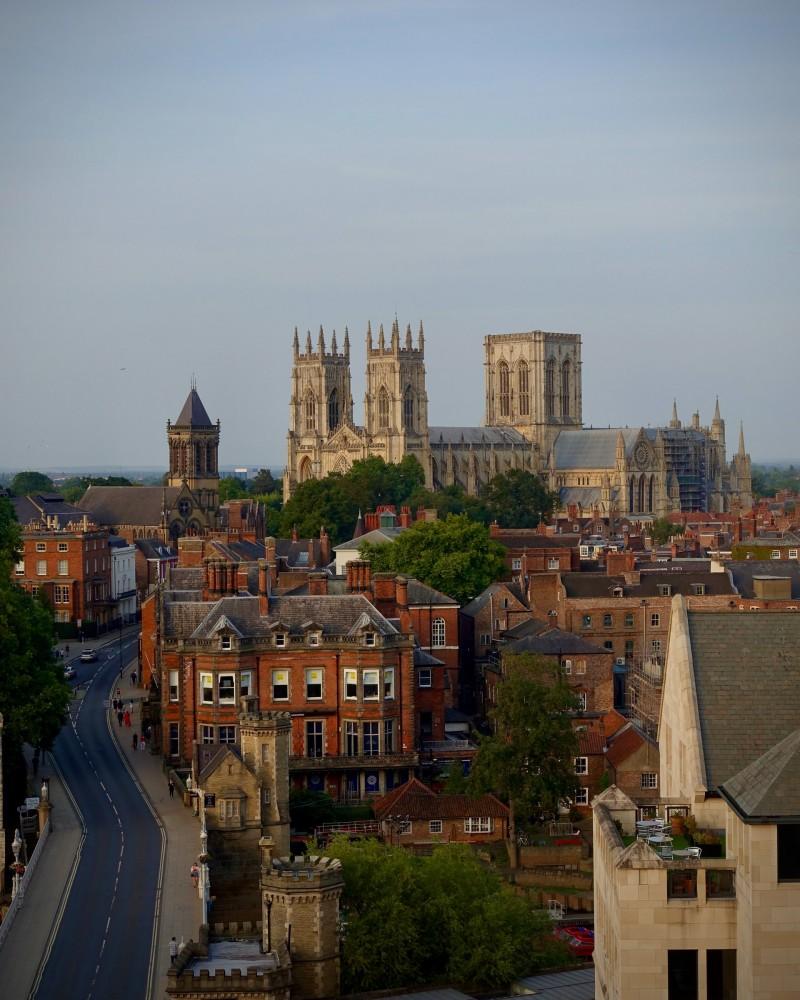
{"type": "Point", "coordinates": [127, 717]}
{"type": "Point", "coordinates": [171, 787]}
{"type": "Point", "coordinates": [142, 744]}
{"type": "Point", "coordinates": [173, 951]}
{"type": "Point", "coordinates": [119, 718]}
{"type": "Point", "coordinates": [194, 873]}
{"type": "Point", "coordinates": [133, 677]}
{"type": "Point", "coordinates": [135, 741]}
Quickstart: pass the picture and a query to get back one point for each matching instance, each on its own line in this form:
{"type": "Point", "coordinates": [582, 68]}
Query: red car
{"type": "Point", "coordinates": [579, 940]}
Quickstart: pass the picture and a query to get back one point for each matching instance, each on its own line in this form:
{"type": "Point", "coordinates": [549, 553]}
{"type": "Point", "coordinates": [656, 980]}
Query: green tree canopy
{"type": "Point", "coordinates": [518, 499]}
{"type": "Point", "coordinates": [334, 502]}
{"type": "Point", "coordinates": [529, 758]}
{"type": "Point", "coordinates": [232, 488]}
{"type": "Point", "coordinates": [33, 693]}
{"type": "Point", "coordinates": [263, 482]}
{"type": "Point", "coordinates": [430, 920]}
{"type": "Point", "coordinates": [662, 529]}
{"type": "Point", "coordinates": [31, 482]}
{"type": "Point", "coordinates": [455, 556]}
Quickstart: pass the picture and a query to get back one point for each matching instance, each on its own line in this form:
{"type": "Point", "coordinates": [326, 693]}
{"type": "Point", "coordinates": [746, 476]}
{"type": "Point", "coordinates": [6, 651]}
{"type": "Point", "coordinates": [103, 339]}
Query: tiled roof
{"type": "Point", "coordinates": [128, 504]}
{"type": "Point", "coordinates": [744, 571]}
{"type": "Point", "coordinates": [623, 743]}
{"type": "Point", "coordinates": [680, 582]}
{"type": "Point", "coordinates": [422, 658]}
{"type": "Point", "coordinates": [475, 436]}
{"type": "Point", "coordinates": [193, 413]}
{"type": "Point", "coordinates": [417, 801]}
{"type": "Point", "coordinates": [41, 505]}
{"type": "Point", "coordinates": [151, 548]}
{"type": "Point", "coordinates": [531, 626]}
{"type": "Point", "coordinates": [770, 786]}
{"type": "Point", "coordinates": [592, 448]}
{"type": "Point", "coordinates": [512, 540]}
{"type": "Point", "coordinates": [747, 678]}
{"type": "Point", "coordinates": [591, 743]}
{"type": "Point", "coordinates": [378, 536]}
{"type": "Point", "coordinates": [482, 599]}
{"type": "Point", "coordinates": [421, 594]}
{"type": "Point", "coordinates": [556, 642]}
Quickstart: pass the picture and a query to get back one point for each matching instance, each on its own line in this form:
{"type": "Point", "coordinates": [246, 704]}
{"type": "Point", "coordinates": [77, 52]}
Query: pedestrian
{"type": "Point", "coordinates": [173, 951]}
{"type": "Point", "coordinates": [142, 744]}
{"type": "Point", "coordinates": [171, 787]}
{"type": "Point", "coordinates": [118, 693]}
{"type": "Point", "coordinates": [135, 741]}
{"type": "Point", "coordinates": [67, 649]}
{"type": "Point", "coordinates": [119, 718]}
{"type": "Point", "coordinates": [127, 720]}
{"type": "Point", "coordinates": [133, 677]}
{"type": "Point", "coordinates": [194, 872]}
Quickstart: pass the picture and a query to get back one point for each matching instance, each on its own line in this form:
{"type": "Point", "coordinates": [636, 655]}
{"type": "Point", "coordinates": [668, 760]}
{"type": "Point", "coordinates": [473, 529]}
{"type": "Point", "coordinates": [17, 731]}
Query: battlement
{"type": "Point", "coordinates": [301, 873]}
{"type": "Point", "coordinates": [334, 356]}
{"type": "Point", "coordinates": [249, 712]}
{"type": "Point", "coordinates": [395, 349]}
{"type": "Point", "coordinates": [228, 968]}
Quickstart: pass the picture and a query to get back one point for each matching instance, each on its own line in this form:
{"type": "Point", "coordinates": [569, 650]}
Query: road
{"type": "Point", "coordinates": [103, 943]}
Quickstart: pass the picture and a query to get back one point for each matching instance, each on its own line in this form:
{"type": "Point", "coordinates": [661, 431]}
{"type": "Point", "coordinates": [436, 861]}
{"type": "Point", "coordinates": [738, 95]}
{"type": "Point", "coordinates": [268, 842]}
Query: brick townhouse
{"type": "Point", "coordinates": [531, 550]}
{"type": "Point", "coordinates": [66, 557]}
{"type": "Point", "coordinates": [342, 670]}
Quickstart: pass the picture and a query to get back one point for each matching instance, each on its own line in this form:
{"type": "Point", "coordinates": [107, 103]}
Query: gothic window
{"type": "Point", "coordinates": [566, 388]}
{"type": "Point", "coordinates": [435, 474]}
{"type": "Point", "coordinates": [383, 408]}
{"type": "Point", "coordinates": [641, 506]}
{"type": "Point", "coordinates": [524, 393]}
{"type": "Point", "coordinates": [408, 409]}
{"type": "Point", "coordinates": [198, 459]}
{"type": "Point", "coordinates": [305, 470]}
{"type": "Point", "coordinates": [630, 494]}
{"type": "Point", "coordinates": [505, 396]}
{"type": "Point", "coordinates": [210, 458]}
{"type": "Point", "coordinates": [650, 495]}
{"type": "Point", "coordinates": [333, 411]}
{"type": "Point", "coordinates": [310, 412]}
{"type": "Point", "coordinates": [550, 388]}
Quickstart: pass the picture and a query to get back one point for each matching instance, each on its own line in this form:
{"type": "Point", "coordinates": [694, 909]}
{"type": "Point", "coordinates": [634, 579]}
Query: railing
{"type": "Point", "coordinates": [359, 828]}
{"type": "Point", "coordinates": [437, 746]}
{"type": "Point", "coordinates": [342, 763]}
{"type": "Point", "coordinates": [19, 899]}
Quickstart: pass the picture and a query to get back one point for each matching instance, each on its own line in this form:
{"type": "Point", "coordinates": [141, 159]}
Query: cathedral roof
{"type": "Point", "coordinates": [475, 435]}
{"type": "Point", "coordinates": [594, 447]}
{"type": "Point", "coordinates": [193, 413]}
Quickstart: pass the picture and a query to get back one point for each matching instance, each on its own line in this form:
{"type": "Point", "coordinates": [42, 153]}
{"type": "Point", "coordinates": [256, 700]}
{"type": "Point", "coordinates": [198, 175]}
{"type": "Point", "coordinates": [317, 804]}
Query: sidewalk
{"type": "Point", "coordinates": [180, 904]}
{"type": "Point", "coordinates": [24, 949]}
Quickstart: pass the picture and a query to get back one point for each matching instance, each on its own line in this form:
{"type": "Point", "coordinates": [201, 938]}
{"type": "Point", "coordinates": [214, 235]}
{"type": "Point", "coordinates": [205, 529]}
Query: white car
{"type": "Point", "coordinates": [88, 655]}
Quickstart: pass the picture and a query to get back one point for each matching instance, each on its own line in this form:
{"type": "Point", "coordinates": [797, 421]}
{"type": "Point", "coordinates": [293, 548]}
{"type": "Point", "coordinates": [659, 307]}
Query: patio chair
{"type": "Point", "coordinates": [555, 909]}
{"type": "Point", "coordinates": [666, 853]}
{"type": "Point", "coordinates": [694, 852]}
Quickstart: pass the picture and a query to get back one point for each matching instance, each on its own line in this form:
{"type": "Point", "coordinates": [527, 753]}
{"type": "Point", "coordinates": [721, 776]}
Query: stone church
{"type": "Point", "coordinates": [533, 421]}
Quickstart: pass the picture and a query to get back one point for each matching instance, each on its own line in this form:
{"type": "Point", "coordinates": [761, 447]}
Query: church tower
{"type": "Point", "coordinates": [533, 384]}
{"type": "Point", "coordinates": [193, 442]}
{"type": "Point", "coordinates": [320, 403]}
{"type": "Point", "coordinates": [396, 399]}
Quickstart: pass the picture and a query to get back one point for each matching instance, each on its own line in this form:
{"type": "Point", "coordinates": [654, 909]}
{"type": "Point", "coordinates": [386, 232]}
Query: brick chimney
{"type": "Point", "coordinates": [317, 584]}
{"type": "Point", "coordinates": [618, 563]}
{"type": "Point", "coordinates": [242, 582]}
{"type": "Point", "coordinates": [359, 576]}
{"type": "Point", "coordinates": [294, 533]}
{"type": "Point", "coordinates": [263, 587]}
{"type": "Point", "coordinates": [325, 553]}
{"type": "Point", "coordinates": [405, 517]}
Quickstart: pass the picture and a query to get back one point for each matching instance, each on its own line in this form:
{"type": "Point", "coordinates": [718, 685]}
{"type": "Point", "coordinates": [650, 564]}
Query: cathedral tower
{"type": "Point", "coordinates": [396, 400]}
{"type": "Point", "coordinates": [194, 453]}
{"type": "Point", "coordinates": [320, 403]}
{"type": "Point", "coordinates": [533, 384]}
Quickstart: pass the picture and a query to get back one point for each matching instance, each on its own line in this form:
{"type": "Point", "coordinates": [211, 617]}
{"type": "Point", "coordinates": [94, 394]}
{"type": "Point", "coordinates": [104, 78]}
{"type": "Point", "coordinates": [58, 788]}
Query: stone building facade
{"type": "Point", "coordinates": [533, 420]}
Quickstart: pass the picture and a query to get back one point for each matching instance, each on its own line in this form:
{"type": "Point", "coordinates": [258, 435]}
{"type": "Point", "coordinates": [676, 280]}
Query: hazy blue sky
{"type": "Point", "coordinates": [182, 183]}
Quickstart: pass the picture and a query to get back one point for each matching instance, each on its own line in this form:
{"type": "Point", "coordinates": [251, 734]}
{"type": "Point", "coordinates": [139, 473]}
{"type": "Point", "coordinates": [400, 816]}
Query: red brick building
{"type": "Point", "coordinates": [67, 558]}
{"type": "Point", "coordinates": [414, 815]}
{"type": "Point", "coordinates": [531, 550]}
{"type": "Point", "coordinates": [214, 634]}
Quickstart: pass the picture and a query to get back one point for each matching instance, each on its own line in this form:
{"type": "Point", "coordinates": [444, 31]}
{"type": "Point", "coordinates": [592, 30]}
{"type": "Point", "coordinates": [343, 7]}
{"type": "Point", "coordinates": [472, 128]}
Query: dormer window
{"type": "Point", "coordinates": [313, 639]}
{"type": "Point", "coordinates": [664, 590]}
{"type": "Point", "coordinates": [618, 592]}
{"type": "Point", "coordinates": [369, 638]}
{"type": "Point", "coordinates": [225, 642]}
{"type": "Point", "coordinates": [280, 640]}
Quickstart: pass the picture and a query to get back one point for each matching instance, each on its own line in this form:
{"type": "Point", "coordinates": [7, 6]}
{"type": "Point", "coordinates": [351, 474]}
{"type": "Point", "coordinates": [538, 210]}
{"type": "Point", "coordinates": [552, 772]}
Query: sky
{"type": "Point", "coordinates": [183, 183]}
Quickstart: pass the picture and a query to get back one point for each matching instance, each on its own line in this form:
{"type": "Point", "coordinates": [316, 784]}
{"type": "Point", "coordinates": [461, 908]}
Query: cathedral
{"type": "Point", "coordinates": [533, 421]}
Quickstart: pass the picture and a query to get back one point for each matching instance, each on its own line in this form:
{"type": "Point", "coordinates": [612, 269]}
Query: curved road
{"type": "Point", "coordinates": [103, 944]}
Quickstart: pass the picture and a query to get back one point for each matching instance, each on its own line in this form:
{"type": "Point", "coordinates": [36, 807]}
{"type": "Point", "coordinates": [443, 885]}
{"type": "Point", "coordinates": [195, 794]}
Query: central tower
{"type": "Point", "coordinates": [193, 442]}
{"type": "Point", "coordinates": [533, 384]}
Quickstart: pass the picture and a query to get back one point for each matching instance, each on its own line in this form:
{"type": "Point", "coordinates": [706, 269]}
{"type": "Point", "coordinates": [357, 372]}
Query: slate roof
{"type": "Point", "coordinates": [38, 506]}
{"type": "Point", "coordinates": [744, 571]}
{"type": "Point", "coordinates": [623, 743]}
{"type": "Point", "coordinates": [747, 677]}
{"type": "Point", "coordinates": [531, 626]}
{"type": "Point", "coordinates": [140, 505]}
{"type": "Point", "coordinates": [681, 581]}
{"type": "Point", "coordinates": [555, 642]}
{"type": "Point", "coordinates": [420, 593]}
{"type": "Point", "coordinates": [377, 537]}
{"type": "Point", "coordinates": [422, 658]}
{"type": "Point", "coordinates": [510, 540]}
{"type": "Point", "coordinates": [152, 548]}
{"type": "Point", "coordinates": [593, 448]}
{"type": "Point", "coordinates": [334, 615]}
{"type": "Point", "coordinates": [417, 801]}
{"type": "Point", "coordinates": [482, 599]}
{"type": "Point", "coordinates": [193, 413]}
{"type": "Point", "coordinates": [586, 496]}
{"type": "Point", "coordinates": [486, 436]}
{"type": "Point", "coordinates": [769, 787]}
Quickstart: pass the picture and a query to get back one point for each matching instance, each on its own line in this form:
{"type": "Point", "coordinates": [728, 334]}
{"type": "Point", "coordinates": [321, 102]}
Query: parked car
{"type": "Point", "coordinates": [70, 672]}
{"type": "Point", "coordinates": [88, 655]}
{"type": "Point", "coordinates": [579, 940]}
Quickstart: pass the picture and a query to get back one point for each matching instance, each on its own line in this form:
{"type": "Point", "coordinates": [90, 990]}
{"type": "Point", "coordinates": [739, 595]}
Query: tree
{"type": "Point", "coordinates": [662, 529]}
{"type": "Point", "coordinates": [31, 482]}
{"type": "Point", "coordinates": [518, 499]}
{"type": "Point", "coordinates": [529, 760]}
{"type": "Point", "coordinates": [455, 556]}
{"type": "Point", "coordinates": [439, 919]}
{"type": "Point", "coordinates": [232, 488]}
{"type": "Point", "coordinates": [263, 482]}
{"type": "Point", "coordinates": [33, 693]}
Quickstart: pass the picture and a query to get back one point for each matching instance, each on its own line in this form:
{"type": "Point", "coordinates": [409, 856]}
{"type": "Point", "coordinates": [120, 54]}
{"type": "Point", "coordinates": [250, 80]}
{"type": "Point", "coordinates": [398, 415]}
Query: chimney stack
{"type": "Point", "coordinates": [263, 587]}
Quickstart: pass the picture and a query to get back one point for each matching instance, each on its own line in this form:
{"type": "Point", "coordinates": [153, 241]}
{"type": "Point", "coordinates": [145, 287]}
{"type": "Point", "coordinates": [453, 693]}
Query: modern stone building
{"type": "Point", "coordinates": [533, 420]}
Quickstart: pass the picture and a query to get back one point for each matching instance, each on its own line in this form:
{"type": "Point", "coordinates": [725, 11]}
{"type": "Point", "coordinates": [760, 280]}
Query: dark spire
{"type": "Point", "coordinates": [193, 413]}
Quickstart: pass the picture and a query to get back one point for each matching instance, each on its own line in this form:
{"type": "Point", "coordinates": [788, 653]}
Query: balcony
{"type": "Point", "coordinates": [359, 763]}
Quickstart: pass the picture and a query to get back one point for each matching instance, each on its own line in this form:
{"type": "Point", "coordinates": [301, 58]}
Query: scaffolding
{"type": "Point", "coordinates": [645, 679]}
